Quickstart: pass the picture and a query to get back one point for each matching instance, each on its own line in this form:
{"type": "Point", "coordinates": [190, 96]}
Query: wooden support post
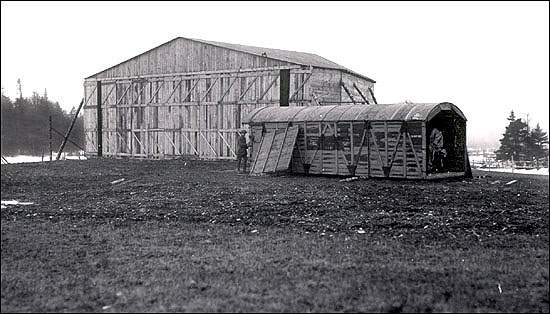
{"type": "Point", "coordinates": [99, 122]}
{"type": "Point", "coordinates": [269, 151]}
{"type": "Point", "coordinates": [348, 92]}
{"type": "Point", "coordinates": [300, 87]}
{"type": "Point", "coordinates": [282, 146]}
{"type": "Point", "coordinates": [247, 88]}
{"type": "Point", "coordinates": [372, 94]}
{"type": "Point", "coordinates": [229, 88]}
{"type": "Point", "coordinates": [50, 137]}
{"type": "Point", "coordinates": [361, 94]}
{"type": "Point", "coordinates": [209, 89]}
{"type": "Point", "coordinates": [71, 127]}
{"type": "Point", "coordinates": [268, 88]}
{"type": "Point", "coordinates": [68, 139]}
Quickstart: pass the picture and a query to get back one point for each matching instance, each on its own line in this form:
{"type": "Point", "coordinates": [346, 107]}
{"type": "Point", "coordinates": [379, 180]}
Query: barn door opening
{"type": "Point", "coordinates": [284, 88]}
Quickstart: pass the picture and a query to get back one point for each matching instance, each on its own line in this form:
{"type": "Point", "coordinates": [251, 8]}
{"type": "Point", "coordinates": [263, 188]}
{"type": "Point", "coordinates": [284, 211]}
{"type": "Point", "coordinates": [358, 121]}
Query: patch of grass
{"type": "Point", "coordinates": [179, 237]}
{"type": "Point", "coordinates": [152, 266]}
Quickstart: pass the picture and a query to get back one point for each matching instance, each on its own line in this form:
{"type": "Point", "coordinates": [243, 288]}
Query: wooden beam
{"type": "Point", "coordinates": [361, 147]}
{"type": "Point", "coordinates": [312, 94]}
{"type": "Point", "coordinates": [191, 89]}
{"type": "Point", "coordinates": [257, 154]}
{"type": "Point", "coordinates": [188, 141]}
{"type": "Point", "coordinates": [172, 142]}
{"type": "Point", "coordinates": [173, 91]}
{"type": "Point", "coordinates": [124, 94]}
{"type": "Point", "coordinates": [227, 90]}
{"type": "Point", "coordinates": [227, 144]}
{"type": "Point", "coordinates": [207, 142]}
{"type": "Point", "coordinates": [282, 146]}
{"type": "Point", "coordinates": [209, 89]}
{"type": "Point", "coordinates": [187, 74]}
{"type": "Point", "coordinates": [269, 151]}
{"type": "Point", "coordinates": [156, 92]}
{"type": "Point", "coordinates": [66, 137]}
{"type": "Point", "coordinates": [87, 100]}
{"type": "Point", "coordinates": [248, 88]}
{"type": "Point", "coordinates": [414, 153]}
{"type": "Point", "coordinates": [108, 94]}
{"type": "Point", "coordinates": [372, 95]}
{"type": "Point", "coordinates": [394, 153]}
{"type": "Point", "coordinates": [268, 88]}
{"type": "Point", "coordinates": [300, 87]}
{"type": "Point", "coordinates": [99, 122]}
{"type": "Point", "coordinates": [348, 92]}
{"type": "Point", "coordinates": [377, 148]}
{"type": "Point", "coordinates": [361, 94]}
{"type": "Point", "coordinates": [140, 90]}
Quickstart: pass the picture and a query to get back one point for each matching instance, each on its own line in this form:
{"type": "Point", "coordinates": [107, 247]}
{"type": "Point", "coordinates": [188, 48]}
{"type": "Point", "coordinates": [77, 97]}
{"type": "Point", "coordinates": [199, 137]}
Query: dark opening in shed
{"type": "Point", "coordinates": [364, 140]}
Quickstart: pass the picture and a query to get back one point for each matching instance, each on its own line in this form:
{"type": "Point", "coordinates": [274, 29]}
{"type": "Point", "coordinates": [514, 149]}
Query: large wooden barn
{"type": "Point", "coordinates": [189, 96]}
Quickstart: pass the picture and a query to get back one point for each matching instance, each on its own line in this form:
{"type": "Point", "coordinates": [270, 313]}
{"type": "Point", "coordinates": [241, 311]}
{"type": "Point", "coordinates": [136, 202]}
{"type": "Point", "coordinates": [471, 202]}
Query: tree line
{"type": "Point", "coordinates": [520, 143]}
{"type": "Point", "coordinates": [25, 126]}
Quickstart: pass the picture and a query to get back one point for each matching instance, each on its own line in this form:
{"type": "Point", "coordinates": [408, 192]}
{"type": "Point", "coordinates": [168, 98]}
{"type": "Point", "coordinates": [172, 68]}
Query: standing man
{"type": "Point", "coordinates": [242, 150]}
{"type": "Point", "coordinates": [438, 153]}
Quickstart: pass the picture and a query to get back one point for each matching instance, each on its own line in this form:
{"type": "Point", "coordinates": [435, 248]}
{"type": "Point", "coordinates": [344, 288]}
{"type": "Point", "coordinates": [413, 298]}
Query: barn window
{"type": "Point", "coordinates": [284, 90]}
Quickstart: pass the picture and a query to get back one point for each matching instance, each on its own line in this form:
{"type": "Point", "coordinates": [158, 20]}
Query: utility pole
{"type": "Point", "coordinates": [19, 89]}
{"type": "Point", "coordinates": [50, 135]}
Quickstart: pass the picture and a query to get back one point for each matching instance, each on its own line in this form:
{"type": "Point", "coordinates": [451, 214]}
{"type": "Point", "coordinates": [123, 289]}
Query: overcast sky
{"type": "Point", "coordinates": [487, 58]}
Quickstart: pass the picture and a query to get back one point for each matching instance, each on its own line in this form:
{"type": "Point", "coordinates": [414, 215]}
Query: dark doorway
{"type": "Point", "coordinates": [453, 129]}
{"type": "Point", "coordinates": [284, 90]}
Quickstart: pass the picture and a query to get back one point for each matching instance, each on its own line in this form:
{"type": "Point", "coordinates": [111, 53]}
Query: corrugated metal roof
{"type": "Point", "coordinates": [396, 112]}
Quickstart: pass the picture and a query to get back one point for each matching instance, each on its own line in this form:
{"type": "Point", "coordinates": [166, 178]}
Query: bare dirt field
{"type": "Point", "coordinates": [187, 235]}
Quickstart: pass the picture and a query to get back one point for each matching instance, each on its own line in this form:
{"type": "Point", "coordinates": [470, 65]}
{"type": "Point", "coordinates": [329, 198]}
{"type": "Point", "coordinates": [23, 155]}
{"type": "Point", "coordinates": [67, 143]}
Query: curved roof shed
{"type": "Point", "coordinates": [392, 141]}
{"type": "Point", "coordinates": [379, 112]}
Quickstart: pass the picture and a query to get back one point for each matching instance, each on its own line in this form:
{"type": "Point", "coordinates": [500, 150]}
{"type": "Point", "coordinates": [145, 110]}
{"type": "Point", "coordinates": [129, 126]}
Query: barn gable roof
{"type": "Point", "coordinates": [380, 112]}
{"type": "Point", "coordinates": [295, 57]}
{"type": "Point", "coordinates": [300, 58]}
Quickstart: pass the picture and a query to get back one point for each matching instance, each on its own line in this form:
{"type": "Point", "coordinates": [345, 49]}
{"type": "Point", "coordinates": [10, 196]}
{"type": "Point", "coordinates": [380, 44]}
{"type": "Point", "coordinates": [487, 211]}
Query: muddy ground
{"type": "Point", "coordinates": [192, 235]}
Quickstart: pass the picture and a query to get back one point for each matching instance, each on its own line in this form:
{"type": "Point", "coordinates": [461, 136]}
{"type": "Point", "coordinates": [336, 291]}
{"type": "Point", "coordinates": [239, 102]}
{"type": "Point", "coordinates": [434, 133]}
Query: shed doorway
{"type": "Point", "coordinates": [453, 132]}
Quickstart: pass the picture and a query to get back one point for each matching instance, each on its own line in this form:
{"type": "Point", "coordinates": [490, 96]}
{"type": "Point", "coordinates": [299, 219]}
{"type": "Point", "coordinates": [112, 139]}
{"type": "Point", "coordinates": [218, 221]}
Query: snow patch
{"type": "Point", "coordinates": [540, 171]}
{"type": "Point", "coordinates": [14, 202]}
{"type": "Point", "coordinates": [28, 158]}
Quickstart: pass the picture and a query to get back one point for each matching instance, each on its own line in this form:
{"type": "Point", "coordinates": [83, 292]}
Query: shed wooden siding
{"type": "Point", "coordinates": [189, 98]}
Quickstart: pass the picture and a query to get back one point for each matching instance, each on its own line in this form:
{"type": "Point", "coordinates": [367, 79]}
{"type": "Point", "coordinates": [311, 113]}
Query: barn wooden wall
{"type": "Point", "coordinates": [188, 98]}
{"type": "Point", "coordinates": [183, 115]}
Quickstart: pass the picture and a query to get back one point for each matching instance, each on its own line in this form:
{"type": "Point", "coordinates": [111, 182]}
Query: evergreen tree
{"type": "Point", "coordinates": [537, 144]}
{"type": "Point", "coordinates": [24, 125]}
{"type": "Point", "coordinates": [514, 142]}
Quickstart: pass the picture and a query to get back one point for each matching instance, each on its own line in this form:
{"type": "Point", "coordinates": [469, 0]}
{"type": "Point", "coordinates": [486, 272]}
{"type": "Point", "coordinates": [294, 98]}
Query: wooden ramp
{"type": "Point", "coordinates": [275, 151]}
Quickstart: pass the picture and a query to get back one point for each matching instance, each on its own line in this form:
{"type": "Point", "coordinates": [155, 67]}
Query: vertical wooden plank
{"type": "Point", "coordinates": [99, 121]}
{"type": "Point", "coordinates": [424, 151]}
